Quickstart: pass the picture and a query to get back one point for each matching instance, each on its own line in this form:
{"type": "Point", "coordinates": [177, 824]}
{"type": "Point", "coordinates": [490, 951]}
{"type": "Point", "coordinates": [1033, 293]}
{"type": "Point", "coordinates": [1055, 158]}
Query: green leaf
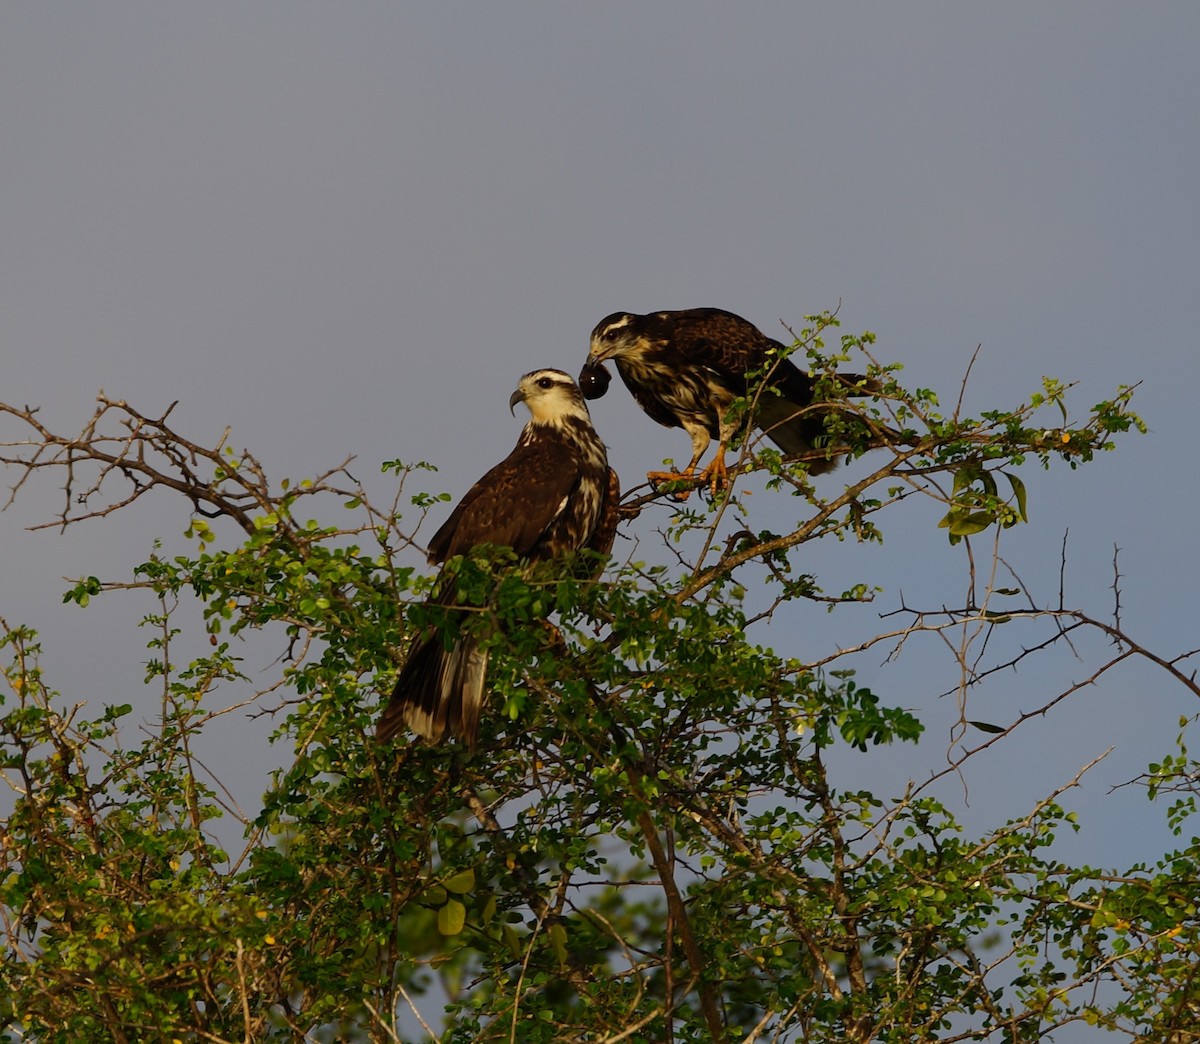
{"type": "Point", "coordinates": [489, 911]}
{"type": "Point", "coordinates": [558, 942]}
{"type": "Point", "coordinates": [964, 476]}
{"type": "Point", "coordinates": [512, 940]}
{"type": "Point", "coordinates": [452, 917]}
{"type": "Point", "coordinates": [985, 726]}
{"type": "Point", "coordinates": [1019, 492]}
{"type": "Point", "coordinates": [969, 525]}
{"type": "Point", "coordinates": [461, 882]}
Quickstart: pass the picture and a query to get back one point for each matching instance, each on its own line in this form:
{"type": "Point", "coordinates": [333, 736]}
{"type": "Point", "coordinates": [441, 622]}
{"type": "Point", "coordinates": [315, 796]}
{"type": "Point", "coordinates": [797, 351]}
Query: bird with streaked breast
{"type": "Point", "coordinates": [553, 495]}
{"type": "Point", "coordinates": [685, 368]}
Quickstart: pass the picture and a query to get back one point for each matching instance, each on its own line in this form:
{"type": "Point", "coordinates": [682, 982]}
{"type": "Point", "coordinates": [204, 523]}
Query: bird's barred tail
{"type": "Point", "coordinates": [439, 692]}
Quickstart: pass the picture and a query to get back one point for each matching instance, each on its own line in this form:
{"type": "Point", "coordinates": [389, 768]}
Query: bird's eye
{"type": "Point", "coordinates": [545, 382]}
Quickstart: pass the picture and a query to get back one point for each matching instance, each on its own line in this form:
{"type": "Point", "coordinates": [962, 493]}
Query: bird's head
{"type": "Point", "coordinates": [616, 335]}
{"type": "Point", "coordinates": [551, 396]}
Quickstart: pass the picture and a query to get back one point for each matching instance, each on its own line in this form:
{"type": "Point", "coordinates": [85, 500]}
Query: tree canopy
{"type": "Point", "coordinates": [657, 838]}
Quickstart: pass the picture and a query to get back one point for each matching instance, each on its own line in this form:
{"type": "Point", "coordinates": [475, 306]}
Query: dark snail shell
{"type": "Point", "coordinates": [593, 380]}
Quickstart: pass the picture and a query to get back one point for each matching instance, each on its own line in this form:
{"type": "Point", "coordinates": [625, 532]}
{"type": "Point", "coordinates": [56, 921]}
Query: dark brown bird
{"type": "Point", "coordinates": [685, 369]}
{"type": "Point", "coordinates": [554, 494]}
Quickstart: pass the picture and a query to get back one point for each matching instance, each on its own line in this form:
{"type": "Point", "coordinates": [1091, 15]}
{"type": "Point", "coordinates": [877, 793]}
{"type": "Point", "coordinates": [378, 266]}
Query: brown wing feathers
{"type": "Point", "coordinates": [511, 506]}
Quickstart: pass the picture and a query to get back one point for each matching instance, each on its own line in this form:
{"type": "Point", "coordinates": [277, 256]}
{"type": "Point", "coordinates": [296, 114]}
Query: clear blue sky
{"type": "Point", "coordinates": [348, 228]}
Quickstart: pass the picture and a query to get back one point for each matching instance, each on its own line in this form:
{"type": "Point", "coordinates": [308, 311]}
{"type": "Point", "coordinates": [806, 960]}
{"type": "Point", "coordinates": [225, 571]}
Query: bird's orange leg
{"type": "Point", "coordinates": [716, 474]}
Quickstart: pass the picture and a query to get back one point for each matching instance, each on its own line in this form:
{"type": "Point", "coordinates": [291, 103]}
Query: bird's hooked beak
{"type": "Point", "coordinates": [517, 396]}
{"type": "Point", "coordinates": [598, 353]}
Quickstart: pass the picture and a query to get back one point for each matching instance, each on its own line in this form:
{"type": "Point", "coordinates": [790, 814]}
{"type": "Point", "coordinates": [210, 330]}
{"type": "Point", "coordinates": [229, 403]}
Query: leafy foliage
{"type": "Point", "coordinates": [652, 842]}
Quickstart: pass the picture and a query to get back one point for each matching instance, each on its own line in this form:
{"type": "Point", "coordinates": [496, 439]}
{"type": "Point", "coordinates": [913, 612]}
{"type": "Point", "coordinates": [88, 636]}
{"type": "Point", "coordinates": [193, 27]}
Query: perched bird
{"type": "Point", "coordinates": [686, 368]}
{"type": "Point", "coordinates": [554, 494]}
